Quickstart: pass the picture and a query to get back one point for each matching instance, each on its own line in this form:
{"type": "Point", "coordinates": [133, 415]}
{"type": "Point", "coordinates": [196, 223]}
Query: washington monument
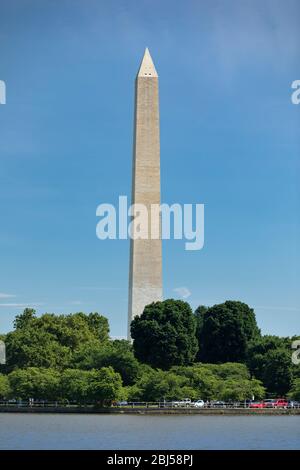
{"type": "Point", "coordinates": [145, 274]}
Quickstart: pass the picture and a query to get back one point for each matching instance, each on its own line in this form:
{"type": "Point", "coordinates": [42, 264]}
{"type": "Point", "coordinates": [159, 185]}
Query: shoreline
{"type": "Point", "coordinates": [154, 411]}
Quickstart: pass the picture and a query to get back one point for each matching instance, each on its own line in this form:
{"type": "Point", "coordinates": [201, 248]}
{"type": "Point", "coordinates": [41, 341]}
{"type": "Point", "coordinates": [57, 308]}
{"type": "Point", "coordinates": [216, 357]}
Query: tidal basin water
{"type": "Point", "coordinates": [62, 431]}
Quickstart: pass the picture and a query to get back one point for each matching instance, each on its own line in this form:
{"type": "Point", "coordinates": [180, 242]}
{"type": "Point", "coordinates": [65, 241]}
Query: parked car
{"type": "Point", "coordinates": [269, 403]}
{"type": "Point", "coordinates": [122, 403]}
{"type": "Point", "coordinates": [293, 404]}
{"type": "Point", "coordinates": [280, 403]}
{"type": "Point", "coordinates": [185, 403]}
{"type": "Point", "coordinates": [218, 404]}
{"type": "Point", "coordinates": [199, 404]}
{"type": "Point", "coordinates": [257, 404]}
{"type": "Point", "coordinates": [276, 403]}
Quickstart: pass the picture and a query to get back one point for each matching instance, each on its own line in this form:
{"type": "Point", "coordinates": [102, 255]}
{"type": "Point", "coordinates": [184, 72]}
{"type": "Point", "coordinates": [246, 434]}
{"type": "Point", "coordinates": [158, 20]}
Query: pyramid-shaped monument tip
{"type": "Point", "coordinates": [147, 68]}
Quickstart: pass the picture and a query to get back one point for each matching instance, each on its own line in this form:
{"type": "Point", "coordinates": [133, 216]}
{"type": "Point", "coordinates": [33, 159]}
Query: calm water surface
{"type": "Point", "coordinates": [54, 431]}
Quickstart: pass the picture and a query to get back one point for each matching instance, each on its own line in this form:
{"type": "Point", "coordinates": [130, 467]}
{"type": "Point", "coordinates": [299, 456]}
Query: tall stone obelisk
{"type": "Point", "coordinates": [145, 276]}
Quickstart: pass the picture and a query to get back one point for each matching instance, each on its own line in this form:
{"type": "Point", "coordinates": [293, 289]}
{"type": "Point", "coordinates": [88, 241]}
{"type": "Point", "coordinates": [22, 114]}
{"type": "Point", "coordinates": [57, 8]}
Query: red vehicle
{"type": "Point", "coordinates": [280, 403]}
{"type": "Point", "coordinates": [276, 403]}
{"type": "Point", "coordinates": [257, 404]}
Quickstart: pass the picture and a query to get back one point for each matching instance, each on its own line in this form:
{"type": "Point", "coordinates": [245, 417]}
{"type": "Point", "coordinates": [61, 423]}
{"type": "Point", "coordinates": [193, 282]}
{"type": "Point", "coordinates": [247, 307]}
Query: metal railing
{"type": "Point", "coordinates": [142, 404]}
{"type": "Point", "coordinates": [205, 405]}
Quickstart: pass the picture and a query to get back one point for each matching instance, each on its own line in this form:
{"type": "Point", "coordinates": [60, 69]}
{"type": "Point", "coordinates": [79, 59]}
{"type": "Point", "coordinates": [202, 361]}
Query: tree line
{"type": "Point", "coordinates": [213, 353]}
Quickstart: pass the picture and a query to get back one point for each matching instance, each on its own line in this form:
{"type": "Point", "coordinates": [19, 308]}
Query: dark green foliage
{"type": "Point", "coordinates": [270, 360]}
{"type": "Point", "coordinates": [295, 390]}
{"type": "Point", "coordinates": [277, 375]}
{"type": "Point", "coordinates": [70, 357]}
{"type": "Point", "coordinates": [164, 335]}
{"type": "Point", "coordinates": [118, 354]}
{"type": "Point", "coordinates": [227, 329]}
{"type": "Point", "coordinates": [199, 316]}
{"type": "Point", "coordinates": [4, 387]}
{"type": "Point", "coordinates": [23, 320]}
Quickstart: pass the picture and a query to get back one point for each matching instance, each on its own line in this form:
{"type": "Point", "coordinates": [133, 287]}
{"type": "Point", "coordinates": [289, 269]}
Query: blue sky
{"type": "Point", "coordinates": [229, 139]}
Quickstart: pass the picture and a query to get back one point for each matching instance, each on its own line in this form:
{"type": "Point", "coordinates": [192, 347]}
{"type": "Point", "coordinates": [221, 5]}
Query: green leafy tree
{"type": "Point", "coordinates": [199, 381]}
{"type": "Point", "coordinates": [159, 385]}
{"type": "Point", "coordinates": [294, 393]}
{"type": "Point", "coordinates": [240, 390]}
{"type": "Point", "coordinates": [4, 387]}
{"type": "Point", "coordinates": [199, 316]}
{"type": "Point", "coordinates": [31, 347]}
{"type": "Point", "coordinates": [74, 385]}
{"type": "Point", "coordinates": [226, 332]}
{"type": "Point", "coordinates": [124, 363]}
{"type": "Point", "coordinates": [24, 320]}
{"type": "Point", "coordinates": [96, 386]}
{"type": "Point", "coordinates": [118, 354]}
{"type": "Point", "coordinates": [164, 335]}
{"type": "Point", "coordinates": [229, 381]}
{"type": "Point", "coordinates": [263, 344]}
{"type": "Point", "coordinates": [98, 325]}
{"type": "Point", "coordinates": [277, 374]}
{"type": "Point", "coordinates": [204, 382]}
{"type": "Point", "coordinates": [228, 370]}
{"type": "Point", "coordinates": [33, 382]}
{"type": "Point", "coordinates": [50, 340]}
{"type": "Point", "coordinates": [105, 386]}
{"type": "Point", "coordinates": [269, 360]}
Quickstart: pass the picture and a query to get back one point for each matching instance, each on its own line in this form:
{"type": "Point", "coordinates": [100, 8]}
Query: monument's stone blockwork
{"type": "Point", "coordinates": [145, 276]}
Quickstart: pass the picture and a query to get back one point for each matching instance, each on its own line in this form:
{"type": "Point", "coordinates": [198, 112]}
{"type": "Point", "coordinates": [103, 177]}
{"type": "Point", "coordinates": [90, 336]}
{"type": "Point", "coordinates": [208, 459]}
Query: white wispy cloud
{"type": "Point", "coordinates": [23, 305]}
{"type": "Point", "coordinates": [6, 296]}
{"type": "Point", "coordinates": [183, 292]}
